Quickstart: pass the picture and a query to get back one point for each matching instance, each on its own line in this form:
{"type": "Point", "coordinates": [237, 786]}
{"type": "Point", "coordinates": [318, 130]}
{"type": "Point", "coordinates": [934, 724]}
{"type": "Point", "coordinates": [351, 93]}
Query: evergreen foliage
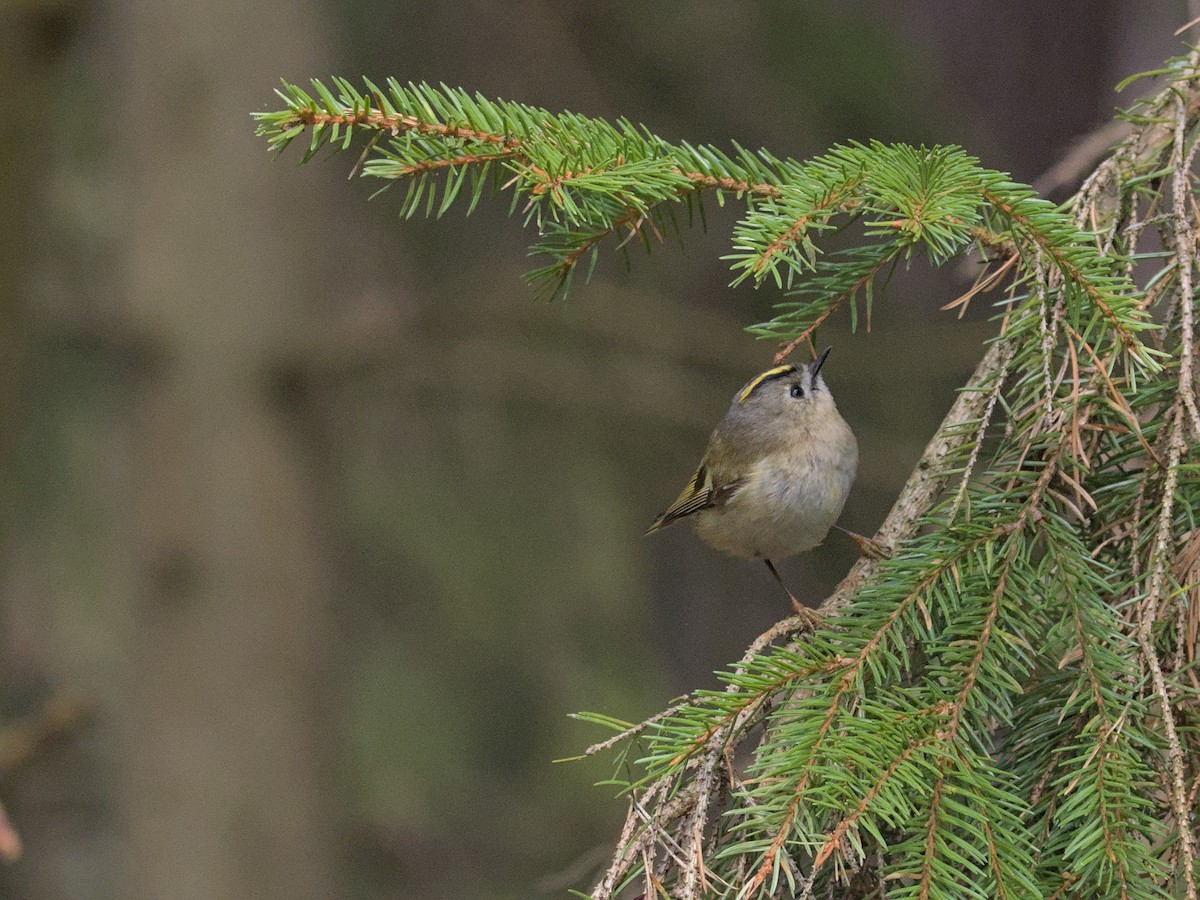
{"type": "Point", "coordinates": [1007, 706]}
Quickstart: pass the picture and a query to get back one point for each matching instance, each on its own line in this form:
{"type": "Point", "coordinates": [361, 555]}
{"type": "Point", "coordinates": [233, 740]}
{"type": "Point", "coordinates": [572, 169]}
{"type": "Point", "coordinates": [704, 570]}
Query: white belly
{"type": "Point", "coordinates": [782, 510]}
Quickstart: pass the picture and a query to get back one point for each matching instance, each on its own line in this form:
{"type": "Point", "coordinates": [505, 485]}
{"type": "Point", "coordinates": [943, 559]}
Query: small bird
{"type": "Point", "coordinates": [776, 473]}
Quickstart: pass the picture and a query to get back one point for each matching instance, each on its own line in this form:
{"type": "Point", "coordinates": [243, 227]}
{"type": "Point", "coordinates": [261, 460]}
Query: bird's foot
{"type": "Point", "coordinates": [869, 548]}
{"type": "Point", "coordinates": [810, 618]}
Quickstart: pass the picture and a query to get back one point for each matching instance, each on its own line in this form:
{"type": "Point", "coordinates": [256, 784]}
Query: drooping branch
{"type": "Point", "coordinates": [587, 179]}
{"type": "Point", "coordinates": [395, 124]}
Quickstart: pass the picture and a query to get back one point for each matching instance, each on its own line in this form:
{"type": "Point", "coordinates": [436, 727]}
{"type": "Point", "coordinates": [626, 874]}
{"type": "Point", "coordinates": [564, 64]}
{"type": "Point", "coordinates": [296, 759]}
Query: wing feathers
{"type": "Point", "coordinates": [692, 498]}
{"type": "Point", "coordinates": [699, 494]}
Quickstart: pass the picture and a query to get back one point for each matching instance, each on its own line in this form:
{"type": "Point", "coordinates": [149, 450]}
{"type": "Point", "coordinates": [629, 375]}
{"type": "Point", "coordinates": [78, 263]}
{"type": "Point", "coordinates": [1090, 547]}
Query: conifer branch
{"type": "Point", "coordinates": [350, 117]}
{"type": "Point", "coordinates": [834, 303]}
{"type": "Point", "coordinates": [433, 165]}
{"type": "Point", "coordinates": [834, 841]}
{"type": "Point", "coordinates": [931, 832]}
{"type": "Point", "coordinates": [1080, 408]}
{"type": "Point", "coordinates": [586, 179]}
{"type": "Point", "coordinates": [1066, 265]}
{"type": "Point", "coordinates": [985, 708]}
{"type": "Point", "coordinates": [830, 202]}
{"type": "Point", "coordinates": [373, 119]}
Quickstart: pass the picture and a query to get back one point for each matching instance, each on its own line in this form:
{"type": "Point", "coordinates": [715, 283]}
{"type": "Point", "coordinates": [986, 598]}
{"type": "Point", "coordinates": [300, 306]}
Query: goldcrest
{"type": "Point", "coordinates": [777, 470]}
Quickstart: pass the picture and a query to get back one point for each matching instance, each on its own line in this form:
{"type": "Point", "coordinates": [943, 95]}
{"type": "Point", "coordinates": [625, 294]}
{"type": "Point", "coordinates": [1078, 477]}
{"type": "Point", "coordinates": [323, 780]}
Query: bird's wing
{"type": "Point", "coordinates": [701, 493]}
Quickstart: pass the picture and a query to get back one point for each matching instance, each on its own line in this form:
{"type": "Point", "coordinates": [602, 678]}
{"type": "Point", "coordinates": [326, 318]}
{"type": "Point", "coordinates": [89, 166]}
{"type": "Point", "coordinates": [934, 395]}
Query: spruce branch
{"type": "Point", "coordinates": [585, 180]}
{"type": "Point", "coordinates": [1007, 705]}
{"type": "Point", "coordinates": [1072, 419]}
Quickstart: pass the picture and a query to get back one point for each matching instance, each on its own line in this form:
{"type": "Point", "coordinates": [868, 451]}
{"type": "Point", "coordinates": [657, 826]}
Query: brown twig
{"type": "Point", "coordinates": [633, 730]}
{"type": "Point", "coordinates": [834, 841]}
{"type": "Point", "coordinates": [433, 165]}
{"type": "Point", "coordinates": [834, 306]}
{"type": "Point", "coordinates": [1068, 268]}
{"type": "Point", "coordinates": [829, 203]}
{"type": "Point", "coordinates": [1184, 251]}
{"type": "Point", "coordinates": [760, 189]}
{"type": "Point", "coordinates": [396, 124]}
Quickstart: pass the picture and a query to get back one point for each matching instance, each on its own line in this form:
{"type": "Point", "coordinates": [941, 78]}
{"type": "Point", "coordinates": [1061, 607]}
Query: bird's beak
{"type": "Point", "coordinates": [815, 366]}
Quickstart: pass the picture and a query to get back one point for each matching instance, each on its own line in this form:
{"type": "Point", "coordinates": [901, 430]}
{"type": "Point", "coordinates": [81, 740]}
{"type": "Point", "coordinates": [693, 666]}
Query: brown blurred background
{"type": "Point", "coordinates": [325, 523]}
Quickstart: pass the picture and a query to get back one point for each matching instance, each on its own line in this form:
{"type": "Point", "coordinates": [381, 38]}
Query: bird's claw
{"type": "Point", "coordinates": [869, 548]}
{"type": "Point", "coordinates": [810, 618]}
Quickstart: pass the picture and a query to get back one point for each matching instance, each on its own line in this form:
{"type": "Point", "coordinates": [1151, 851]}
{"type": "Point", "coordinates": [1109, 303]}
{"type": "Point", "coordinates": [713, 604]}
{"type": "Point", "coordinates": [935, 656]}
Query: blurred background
{"type": "Point", "coordinates": [316, 524]}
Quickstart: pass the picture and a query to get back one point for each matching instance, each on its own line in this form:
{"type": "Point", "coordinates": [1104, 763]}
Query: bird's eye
{"type": "Point", "coordinates": [797, 391]}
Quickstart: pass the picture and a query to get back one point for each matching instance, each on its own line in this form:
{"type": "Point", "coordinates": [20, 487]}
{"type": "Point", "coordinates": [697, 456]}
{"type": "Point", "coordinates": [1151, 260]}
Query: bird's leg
{"type": "Point", "coordinates": [867, 547]}
{"type": "Point", "coordinates": [810, 617]}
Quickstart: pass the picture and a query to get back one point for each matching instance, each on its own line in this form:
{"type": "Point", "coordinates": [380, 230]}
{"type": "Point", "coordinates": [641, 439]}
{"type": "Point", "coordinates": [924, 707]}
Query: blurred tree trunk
{"type": "Point", "coordinates": [170, 567]}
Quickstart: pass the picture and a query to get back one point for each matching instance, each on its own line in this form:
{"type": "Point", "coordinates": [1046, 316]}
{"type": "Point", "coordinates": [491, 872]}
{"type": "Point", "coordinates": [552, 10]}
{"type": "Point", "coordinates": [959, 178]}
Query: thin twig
{"type": "Point", "coordinates": [634, 730]}
{"type": "Point", "coordinates": [1184, 249]}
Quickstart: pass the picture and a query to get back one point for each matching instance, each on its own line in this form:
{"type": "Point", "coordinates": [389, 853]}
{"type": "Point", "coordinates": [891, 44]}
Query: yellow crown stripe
{"type": "Point", "coordinates": [770, 373]}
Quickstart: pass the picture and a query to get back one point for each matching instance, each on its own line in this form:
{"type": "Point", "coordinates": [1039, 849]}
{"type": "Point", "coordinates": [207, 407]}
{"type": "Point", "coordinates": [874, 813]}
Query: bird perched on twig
{"type": "Point", "coordinates": [776, 473]}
